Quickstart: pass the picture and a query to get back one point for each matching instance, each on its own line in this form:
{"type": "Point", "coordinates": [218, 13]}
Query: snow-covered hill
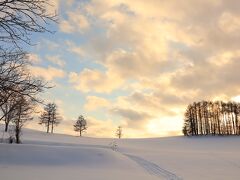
{"type": "Point", "coordinates": [60, 157]}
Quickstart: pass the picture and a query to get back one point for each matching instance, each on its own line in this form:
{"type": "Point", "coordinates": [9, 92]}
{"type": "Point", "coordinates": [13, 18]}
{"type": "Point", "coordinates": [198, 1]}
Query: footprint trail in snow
{"type": "Point", "coordinates": [154, 169]}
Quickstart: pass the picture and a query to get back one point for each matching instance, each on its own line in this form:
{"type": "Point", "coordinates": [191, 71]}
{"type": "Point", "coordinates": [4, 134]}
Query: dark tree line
{"type": "Point", "coordinates": [212, 118]}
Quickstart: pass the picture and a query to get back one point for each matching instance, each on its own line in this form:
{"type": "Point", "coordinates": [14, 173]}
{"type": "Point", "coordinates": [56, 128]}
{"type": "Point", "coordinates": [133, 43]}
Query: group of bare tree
{"type": "Point", "coordinates": [19, 89]}
{"type": "Point", "coordinates": [212, 118]}
{"type": "Point", "coordinates": [50, 117]}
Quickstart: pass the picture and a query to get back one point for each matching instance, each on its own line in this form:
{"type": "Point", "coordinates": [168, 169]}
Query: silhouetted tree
{"type": "Point", "coordinates": [185, 131]}
{"type": "Point", "coordinates": [50, 117]}
{"type": "Point", "coordinates": [80, 125]}
{"type": "Point", "coordinates": [7, 110]}
{"type": "Point", "coordinates": [119, 132]}
{"type": "Point", "coordinates": [21, 114]}
{"type": "Point", "coordinates": [215, 118]}
{"type": "Point", "coordinates": [18, 19]}
{"type": "Point", "coordinates": [56, 118]}
{"type": "Point", "coordinates": [16, 80]}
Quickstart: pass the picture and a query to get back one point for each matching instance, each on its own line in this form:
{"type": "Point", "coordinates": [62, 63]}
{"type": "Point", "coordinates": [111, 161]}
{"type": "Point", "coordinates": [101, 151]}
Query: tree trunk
{"type": "Point", "coordinates": [48, 124]}
{"type": "Point", "coordinates": [200, 119]}
{"type": "Point", "coordinates": [52, 127]}
{"type": "Point", "coordinates": [218, 121]}
{"type": "Point", "coordinates": [17, 130]}
{"type": "Point", "coordinates": [18, 136]}
{"type": "Point", "coordinates": [6, 126]}
{"type": "Point", "coordinates": [236, 118]}
{"type": "Point", "coordinates": [53, 121]}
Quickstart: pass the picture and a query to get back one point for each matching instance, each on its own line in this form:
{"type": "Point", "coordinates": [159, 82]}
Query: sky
{"type": "Point", "coordinates": [137, 64]}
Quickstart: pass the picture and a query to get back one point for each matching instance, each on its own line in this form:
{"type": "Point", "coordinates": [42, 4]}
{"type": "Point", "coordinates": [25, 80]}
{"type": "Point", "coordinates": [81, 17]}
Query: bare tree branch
{"type": "Point", "coordinates": [20, 18]}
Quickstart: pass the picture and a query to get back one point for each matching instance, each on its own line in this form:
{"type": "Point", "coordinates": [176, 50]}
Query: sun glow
{"type": "Point", "coordinates": [236, 98]}
{"type": "Point", "coordinates": [165, 126]}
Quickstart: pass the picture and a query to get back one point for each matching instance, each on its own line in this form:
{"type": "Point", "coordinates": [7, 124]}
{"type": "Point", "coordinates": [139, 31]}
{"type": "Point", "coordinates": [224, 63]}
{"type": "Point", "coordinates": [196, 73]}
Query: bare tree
{"type": "Point", "coordinates": [56, 118]}
{"type": "Point", "coordinates": [50, 117]}
{"type": "Point", "coordinates": [45, 117]}
{"type": "Point", "coordinates": [20, 18]}
{"type": "Point", "coordinates": [7, 110]}
{"type": "Point", "coordinates": [119, 132]}
{"type": "Point", "coordinates": [212, 118]}
{"type": "Point", "coordinates": [16, 80]}
{"type": "Point", "coordinates": [80, 125]}
{"type": "Point", "coordinates": [21, 114]}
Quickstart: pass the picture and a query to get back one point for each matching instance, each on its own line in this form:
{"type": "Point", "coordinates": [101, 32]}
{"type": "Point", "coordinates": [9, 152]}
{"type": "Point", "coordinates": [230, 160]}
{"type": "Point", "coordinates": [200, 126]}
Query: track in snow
{"type": "Point", "coordinates": [153, 169]}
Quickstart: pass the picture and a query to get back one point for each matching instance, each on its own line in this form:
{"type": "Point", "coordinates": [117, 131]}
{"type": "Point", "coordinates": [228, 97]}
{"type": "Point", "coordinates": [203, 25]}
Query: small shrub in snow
{"type": "Point", "coordinates": [113, 145]}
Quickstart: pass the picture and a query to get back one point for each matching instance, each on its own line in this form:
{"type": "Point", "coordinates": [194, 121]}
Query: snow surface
{"type": "Point", "coordinates": [62, 157]}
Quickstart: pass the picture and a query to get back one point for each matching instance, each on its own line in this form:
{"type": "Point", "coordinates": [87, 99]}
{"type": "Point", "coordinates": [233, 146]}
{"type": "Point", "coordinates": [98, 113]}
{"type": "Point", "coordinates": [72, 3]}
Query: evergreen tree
{"type": "Point", "coordinates": [80, 125]}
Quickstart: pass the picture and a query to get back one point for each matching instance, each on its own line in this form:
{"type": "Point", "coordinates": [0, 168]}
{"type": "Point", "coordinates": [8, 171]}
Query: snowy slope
{"type": "Point", "coordinates": [61, 157]}
{"type": "Point", "coordinates": [211, 158]}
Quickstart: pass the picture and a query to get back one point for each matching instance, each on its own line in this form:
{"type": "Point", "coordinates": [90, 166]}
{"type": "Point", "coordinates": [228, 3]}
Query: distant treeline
{"type": "Point", "coordinates": [212, 118]}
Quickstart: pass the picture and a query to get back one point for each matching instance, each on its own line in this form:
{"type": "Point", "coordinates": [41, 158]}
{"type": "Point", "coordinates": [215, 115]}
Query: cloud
{"type": "Point", "coordinates": [75, 22]}
{"type": "Point", "coordinates": [53, 7]}
{"type": "Point", "coordinates": [132, 118]}
{"type": "Point", "coordinates": [95, 81]}
{"type": "Point", "coordinates": [229, 23]}
{"type": "Point", "coordinates": [149, 62]}
{"type": "Point", "coordinates": [211, 79]}
{"type": "Point", "coordinates": [94, 103]}
{"type": "Point", "coordinates": [100, 128]}
{"type": "Point", "coordinates": [48, 73]}
{"type": "Point", "coordinates": [130, 114]}
{"type": "Point", "coordinates": [172, 58]}
{"type": "Point", "coordinates": [34, 58]}
{"type": "Point", "coordinates": [72, 47]}
{"type": "Point", "coordinates": [47, 44]}
{"type": "Point", "coordinates": [56, 60]}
